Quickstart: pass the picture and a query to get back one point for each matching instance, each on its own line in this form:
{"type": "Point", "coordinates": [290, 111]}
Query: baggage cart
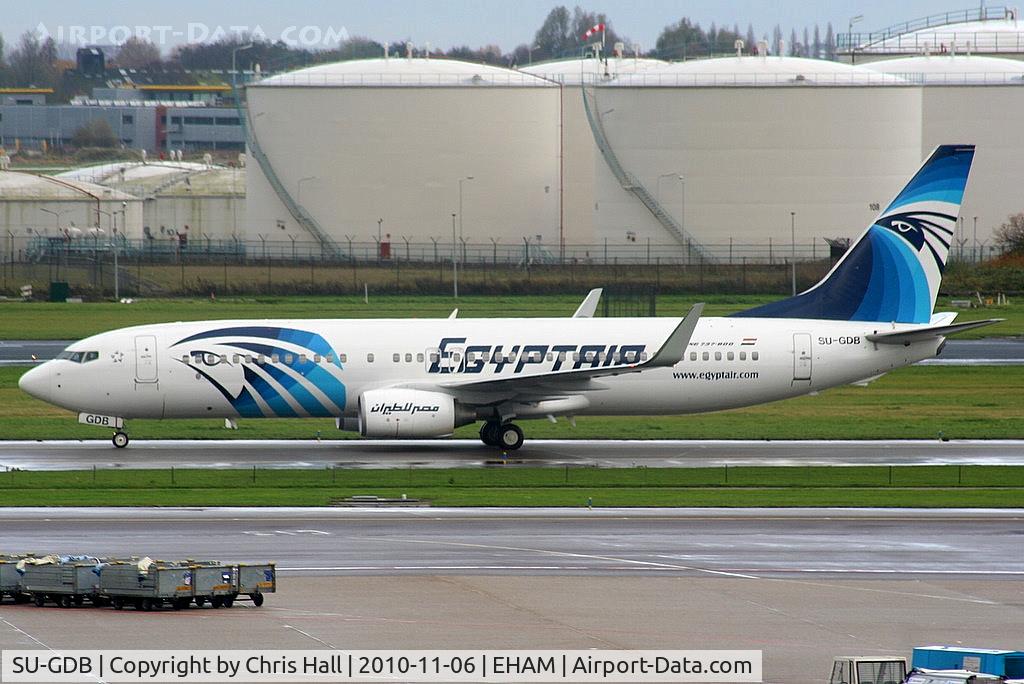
{"type": "Point", "coordinates": [147, 584]}
{"type": "Point", "coordinates": [215, 582]}
{"type": "Point", "coordinates": [63, 581]}
{"type": "Point", "coordinates": [10, 578]}
{"type": "Point", "coordinates": [255, 580]}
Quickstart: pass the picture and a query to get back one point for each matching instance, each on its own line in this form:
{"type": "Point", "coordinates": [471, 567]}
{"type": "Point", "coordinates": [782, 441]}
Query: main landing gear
{"type": "Point", "coordinates": [508, 436]}
{"type": "Point", "coordinates": [120, 439]}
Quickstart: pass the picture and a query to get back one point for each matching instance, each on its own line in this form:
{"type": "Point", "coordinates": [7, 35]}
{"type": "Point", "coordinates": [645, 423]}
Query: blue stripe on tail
{"type": "Point", "coordinates": [892, 273]}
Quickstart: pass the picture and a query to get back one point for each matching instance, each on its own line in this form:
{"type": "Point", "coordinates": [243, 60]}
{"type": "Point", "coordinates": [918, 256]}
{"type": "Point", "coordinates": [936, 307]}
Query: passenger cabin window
{"type": "Point", "coordinates": [419, 358]}
{"type": "Point", "coordinates": [184, 358]}
{"type": "Point", "coordinates": [288, 358]}
{"type": "Point", "coordinates": [705, 356]}
{"type": "Point", "coordinates": [395, 358]}
{"type": "Point", "coordinates": [236, 358]}
{"type": "Point", "coordinates": [329, 358]}
{"type": "Point", "coordinates": [343, 358]}
{"type": "Point", "coordinates": [753, 356]}
{"type": "Point", "coordinates": [408, 358]}
{"type": "Point", "coordinates": [302, 358]}
{"type": "Point", "coordinates": [730, 356]}
{"type": "Point", "coordinates": [369, 357]}
{"type": "Point", "coordinates": [275, 358]}
{"type": "Point", "coordinates": [693, 356]}
{"type": "Point", "coordinates": [316, 358]}
{"type": "Point", "coordinates": [718, 356]}
{"type": "Point", "coordinates": [743, 356]}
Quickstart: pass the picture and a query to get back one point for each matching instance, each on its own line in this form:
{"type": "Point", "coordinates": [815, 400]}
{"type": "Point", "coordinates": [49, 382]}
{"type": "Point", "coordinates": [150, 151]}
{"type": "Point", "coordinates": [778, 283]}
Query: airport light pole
{"type": "Point", "coordinates": [455, 262]}
{"type": "Point", "coordinates": [234, 69]}
{"type": "Point", "coordinates": [849, 36]}
{"type": "Point", "coordinates": [975, 250]}
{"type": "Point", "coordinates": [792, 246]}
{"type": "Point", "coordinates": [298, 188]}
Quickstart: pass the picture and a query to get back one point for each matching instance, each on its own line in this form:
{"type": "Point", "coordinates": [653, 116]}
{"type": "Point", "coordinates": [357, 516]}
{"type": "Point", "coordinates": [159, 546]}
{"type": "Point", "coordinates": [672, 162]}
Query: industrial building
{"type": "Point", "coordinates": [204, 201]}
{"type": "Point", "coordinates": [155, 118]}
{"type": "Point", "coordinates": [42, 208]}
{"type": "Point", "coordinates": [405, 147]}
{"type": "Point", "coordinates": [716, 159]}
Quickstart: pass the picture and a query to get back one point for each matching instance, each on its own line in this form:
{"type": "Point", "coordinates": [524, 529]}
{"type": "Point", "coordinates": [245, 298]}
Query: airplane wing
{"type": "Point", "coordinates": [556, 384]}
{"type": "Point", "coordinates": [906, 337]}
{"type": "Point", "coordinates": [588, 306]}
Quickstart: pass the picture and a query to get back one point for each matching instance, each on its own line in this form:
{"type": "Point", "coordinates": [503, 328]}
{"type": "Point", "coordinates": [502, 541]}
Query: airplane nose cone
{"type": "Point", "coordinates": [36, 382]}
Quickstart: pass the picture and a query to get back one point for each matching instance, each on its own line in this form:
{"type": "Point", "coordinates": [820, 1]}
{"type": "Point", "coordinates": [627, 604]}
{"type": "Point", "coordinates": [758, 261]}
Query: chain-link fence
{"type": "Point", "coordinates": [234, 266]}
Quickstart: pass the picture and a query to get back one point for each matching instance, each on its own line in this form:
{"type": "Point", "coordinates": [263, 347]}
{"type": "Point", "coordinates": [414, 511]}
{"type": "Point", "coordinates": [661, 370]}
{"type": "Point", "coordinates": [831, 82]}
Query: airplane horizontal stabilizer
{"type": "Point", "coordinates": [922, 334]}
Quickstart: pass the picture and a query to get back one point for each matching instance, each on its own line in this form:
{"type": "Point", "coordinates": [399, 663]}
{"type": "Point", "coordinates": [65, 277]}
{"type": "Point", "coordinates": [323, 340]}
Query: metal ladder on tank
{"type": "Point", "coordinates": [632, 184]}
{"type": "Point", "coordinates": [328, 246]}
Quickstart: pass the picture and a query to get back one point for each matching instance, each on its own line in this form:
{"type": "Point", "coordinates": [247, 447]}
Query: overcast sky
{"type": "Point", "coordinates": [442, 23]}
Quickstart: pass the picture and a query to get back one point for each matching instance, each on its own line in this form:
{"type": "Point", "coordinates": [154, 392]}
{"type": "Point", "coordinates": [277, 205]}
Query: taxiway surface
{"type": "Point", "coordinates": [70, 455]}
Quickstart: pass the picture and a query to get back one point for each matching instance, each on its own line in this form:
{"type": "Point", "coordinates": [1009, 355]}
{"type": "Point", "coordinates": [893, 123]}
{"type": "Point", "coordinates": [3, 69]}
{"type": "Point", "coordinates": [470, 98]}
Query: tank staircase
{"type": "Point", "coordinates": [846, 42]}
{"type": "Point", "coordinates": [632, 184]}
{"type": "Point", "coordinates": [329, 247]}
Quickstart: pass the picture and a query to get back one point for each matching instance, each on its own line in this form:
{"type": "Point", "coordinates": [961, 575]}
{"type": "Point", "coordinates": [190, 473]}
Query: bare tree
{"type": "Point", "coordinates": [1010, 235]}
{"type": "Point", "coordinates": [136, 53]}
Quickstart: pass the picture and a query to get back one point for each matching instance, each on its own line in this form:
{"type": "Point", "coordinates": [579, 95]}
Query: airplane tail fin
{"type": "Point", "coordinates": [892, 273]}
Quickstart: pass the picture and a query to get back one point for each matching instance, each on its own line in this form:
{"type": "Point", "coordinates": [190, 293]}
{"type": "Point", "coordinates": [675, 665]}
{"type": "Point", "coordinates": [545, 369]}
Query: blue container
{"type": "Point", "coordinates": [1002, 663]}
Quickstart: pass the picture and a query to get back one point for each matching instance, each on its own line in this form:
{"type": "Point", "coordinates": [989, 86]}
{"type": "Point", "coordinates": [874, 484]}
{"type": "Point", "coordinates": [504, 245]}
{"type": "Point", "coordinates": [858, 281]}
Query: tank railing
{"type": "Point", "coordinates": [854, 40]}
{"type": "Point", "coordinates": [627, 180]}
{"type": "Point", "coordinates": [484, 79]}
{"type": "Point", "coordinates": [508, 251]}
{"type": "Point", "coordinates": [298, 212]}
{"type": "Point", "coordinates": [946, 43]}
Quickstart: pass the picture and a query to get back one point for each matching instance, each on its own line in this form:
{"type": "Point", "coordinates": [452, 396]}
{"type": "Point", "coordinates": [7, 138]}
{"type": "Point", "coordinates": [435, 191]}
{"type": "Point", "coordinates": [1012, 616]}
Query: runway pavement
{"type": "Point", "coordinates": [800, 585]}
{"type": "Point", "coordinates": [352, 453]}
{"type": "Point", "coordinates": [752, 544]}
{"type": "Point", "coordinates": [990, 351]}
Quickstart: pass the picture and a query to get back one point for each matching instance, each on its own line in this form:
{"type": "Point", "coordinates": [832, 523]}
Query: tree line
{"type": "Point", "coordinates": [35, 61]}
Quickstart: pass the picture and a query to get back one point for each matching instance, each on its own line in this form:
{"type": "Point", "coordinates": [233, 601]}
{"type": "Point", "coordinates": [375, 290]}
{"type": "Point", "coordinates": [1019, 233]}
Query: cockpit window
{"type": "Point", "coordinates": [78, 356]}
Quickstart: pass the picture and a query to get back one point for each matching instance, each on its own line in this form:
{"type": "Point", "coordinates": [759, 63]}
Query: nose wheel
{"type": "Point", "coordinates": [120, 439]}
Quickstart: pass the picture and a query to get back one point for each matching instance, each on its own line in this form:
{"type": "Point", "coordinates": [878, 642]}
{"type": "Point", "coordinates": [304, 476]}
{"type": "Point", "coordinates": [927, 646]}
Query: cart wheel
{"type": "Point", "coordinates": [216, 602]}
{"type": "Point", "coordinates": [22, 598]}
{"type": "Point", "coordinates": [257, 599]}
{"type": "Point", "coordinates": [64, 601]}
{"type": "Point", "coordinates": [228, 601]}
{"type": "Point", "coordinates": [200, 601]}
{"type": "Point", "coordinates": [39, 600]}
{"type": "Point", "coordinates": [118, 603]}
{"type": "Point", "coordinates": [147, 604]}
{"type": "Point", "coordinates": [79, 600]}
{"type": "Point", "coordinates": [138, 604]}
{"type": "Point", "coordinates": [178, 604]}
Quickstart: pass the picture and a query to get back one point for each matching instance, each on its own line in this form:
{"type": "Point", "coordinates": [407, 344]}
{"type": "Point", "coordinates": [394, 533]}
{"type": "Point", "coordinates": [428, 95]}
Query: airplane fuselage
{"type": "Point", "coordinates": [299, 368]}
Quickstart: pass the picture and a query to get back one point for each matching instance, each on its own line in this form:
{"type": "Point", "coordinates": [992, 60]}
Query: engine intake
{"type": "Point", "coordinates": [408, 414]}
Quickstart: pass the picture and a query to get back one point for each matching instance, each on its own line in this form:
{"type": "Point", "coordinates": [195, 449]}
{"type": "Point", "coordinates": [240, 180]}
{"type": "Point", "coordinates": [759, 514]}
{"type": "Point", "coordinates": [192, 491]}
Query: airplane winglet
{"type": "Point", "coordinates": [906, 337]}
{"type": "Point", "coordinates": [588, 306]}
{"type": "Point", "coordinates": [674, 348]}
{"type": "Point", "coordinates": [453, 314]}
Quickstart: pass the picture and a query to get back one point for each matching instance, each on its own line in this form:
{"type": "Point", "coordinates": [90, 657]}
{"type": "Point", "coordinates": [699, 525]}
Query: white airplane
{"type": "Point", "coordinates": [405, 378]}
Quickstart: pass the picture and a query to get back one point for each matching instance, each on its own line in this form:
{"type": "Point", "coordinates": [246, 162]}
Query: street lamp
{"type": "Point", "coordinates": [792, 246]}
{"type": "Point", "coordinates": [298, 188]}
{"type": "Point", "coordinates": [56, 215]}
{"type": "Point", "coordinates": [455, 262]}
{"type": "Point", "coordinates": [530, 50]}
{"type": "Point", "coordinates": [849, 36]}
{"type": "Point", "coordinates": [234, 70]}
{"type": "Point", "coordinates": [974, 251]}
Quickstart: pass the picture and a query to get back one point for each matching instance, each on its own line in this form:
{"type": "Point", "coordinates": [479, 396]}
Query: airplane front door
{"type": "Point", "coordinates": [802, 357]}
{"type": "Point", "coordinates": [145, 359]}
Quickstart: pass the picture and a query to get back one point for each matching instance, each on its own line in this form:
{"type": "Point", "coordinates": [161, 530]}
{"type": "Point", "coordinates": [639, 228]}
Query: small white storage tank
{"type": "Point", "coordinates": [359, 141]}
{"type": "Point", "coordinates": [754, 139]}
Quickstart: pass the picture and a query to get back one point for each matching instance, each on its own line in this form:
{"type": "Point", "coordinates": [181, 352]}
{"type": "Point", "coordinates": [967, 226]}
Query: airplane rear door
{"type": "Point", "coordinates": [802, 357]}
{"type": "Point", "coordinates": [145, 359]}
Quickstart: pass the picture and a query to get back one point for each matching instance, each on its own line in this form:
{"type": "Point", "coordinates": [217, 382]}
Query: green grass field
{"type": "Point", "coordinates": [40, 320]}
{"type": "Point", "coordinates": [932, 486]}
{"type": "Point", "coordinates": [913, 403]}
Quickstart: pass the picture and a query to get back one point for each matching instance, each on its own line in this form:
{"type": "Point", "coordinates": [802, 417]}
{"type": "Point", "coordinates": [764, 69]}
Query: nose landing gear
{"type": "Point", "coordinates": [120, 439]}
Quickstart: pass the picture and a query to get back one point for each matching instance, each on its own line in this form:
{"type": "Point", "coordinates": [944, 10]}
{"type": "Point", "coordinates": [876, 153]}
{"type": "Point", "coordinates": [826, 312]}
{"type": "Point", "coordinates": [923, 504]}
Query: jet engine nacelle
{"type": "Point", "coordinates": [407, 413]}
